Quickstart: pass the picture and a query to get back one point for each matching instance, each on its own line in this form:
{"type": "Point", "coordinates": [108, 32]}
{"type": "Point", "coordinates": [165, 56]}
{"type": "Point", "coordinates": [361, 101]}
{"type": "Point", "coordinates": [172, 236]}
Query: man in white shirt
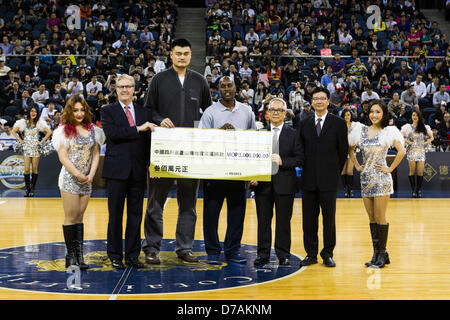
{"type": "Point", "coordinates": [420, 87]}
{"type": "Point", "coordinates": [41, 96]}
{"type": "Point", "coordinates": [7, 139]}
{"type": "Point", "coordinates": [345, 38]}
{"type": "Point", "coordinates": [246, 72]}
{"type": "Point", "coordinates": [369, 94]}
{"type": "Point", "coordinates": [102, 23]}
{"type": "Point", "coordinates": [93, 88]}
{"type": "Point", "coordinates": [4, 69]}
{"type": "Point", "coordinates": [74, 87]}
{"type": "Point", "coordinates": [247, 93]}
{"type": "Point", "coordinates": [159, 65]}
{"type": "Point", "coordinates": [251, 36]}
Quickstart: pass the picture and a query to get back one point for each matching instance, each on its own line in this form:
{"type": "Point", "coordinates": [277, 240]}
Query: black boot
{"type": "Point", "coordinates": [374, 234]}
{"type": "Point", "coordinates": [344, 185]}
{"type": "Point", "coordinates": [419, 186]}
{"type": "Point", "coordinates": [78, 243]}
{"type": "Point", "coordinates": [383, 256]}
{"type": "Point", "coordinates": [26, 177]}
{"type": "Point", "coordinates": [34, 177]}
{"type": "Point", "coordinates": [69, 238]}
{"type": "Point", "coordinates": [412, 182]}
{"type": "Point", "coordinates": [350, 185]}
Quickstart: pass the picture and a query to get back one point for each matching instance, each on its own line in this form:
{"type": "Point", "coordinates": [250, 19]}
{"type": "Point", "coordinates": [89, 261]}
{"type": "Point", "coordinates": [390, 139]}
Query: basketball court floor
{"type": "Point", "coordinates": [32, 255]}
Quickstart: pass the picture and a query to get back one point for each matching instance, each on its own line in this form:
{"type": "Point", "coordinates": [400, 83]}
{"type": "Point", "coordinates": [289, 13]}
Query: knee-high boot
{"type": "Point", "coordinates": [383, 256]}
{"type": "Point", "coordinates": [374, 235]}
{"type": "Point", "coordinates": [69, 237]}
{"type": "Point", "coordinates": [350, 185]}
{"type": "Point", "coordinates": [26, 178]}
{"type": "Point", "coordinates": [412, 182]}
{"type": "Point", "coordinates": [78, 243]}
{"type": "Point", "coordinates": [34, 177]}
{"type": "Point", "coordinates": [419, 186]}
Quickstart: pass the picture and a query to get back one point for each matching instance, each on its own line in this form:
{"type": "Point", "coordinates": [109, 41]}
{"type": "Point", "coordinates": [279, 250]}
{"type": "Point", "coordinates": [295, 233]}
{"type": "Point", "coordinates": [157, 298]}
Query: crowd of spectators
{"type": "Point", "coordinates": [270, 48]}
{"type": "Point", "coordinates": [286, 48]}
{"type": "Point", "coordinates": [46, 56]}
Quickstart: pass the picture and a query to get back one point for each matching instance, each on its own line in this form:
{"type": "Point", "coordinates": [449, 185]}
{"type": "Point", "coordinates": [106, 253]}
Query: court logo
{"type": "Point", "coordinates": [42, 268]}
{"type": "Point", "coordinates": [428, 172]}
{"type": "Point", "coordinates": [11, 172]}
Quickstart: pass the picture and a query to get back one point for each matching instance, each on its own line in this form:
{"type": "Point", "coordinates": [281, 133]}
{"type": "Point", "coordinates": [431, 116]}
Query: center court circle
{"type": "Point", "coordinates": [41, 268]}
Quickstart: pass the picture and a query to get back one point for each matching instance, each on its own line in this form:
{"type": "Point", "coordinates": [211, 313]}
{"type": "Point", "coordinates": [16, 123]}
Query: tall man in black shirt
{"type": "Point", "coordinates": [174, 97]}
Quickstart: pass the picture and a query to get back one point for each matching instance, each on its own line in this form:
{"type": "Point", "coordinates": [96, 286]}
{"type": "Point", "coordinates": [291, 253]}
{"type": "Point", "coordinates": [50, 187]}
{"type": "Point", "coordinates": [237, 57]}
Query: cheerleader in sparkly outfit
{"type": "Point", "coordinates": [347, 171]}
{"type": "Point", "coordinates": [417, 138]}
{"type": "Point", "coordinates": [30, 129]}
{"type": "Point", "coordinates": [78, 143]}
{"type": "Point", "coordinates": [376, 180]}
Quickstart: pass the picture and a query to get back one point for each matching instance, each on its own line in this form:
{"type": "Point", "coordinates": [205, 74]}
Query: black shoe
{"type": "Point", "coordinates": [117, 264]}
{"type": "Point", "coordinates": [188, 257]}
{"type": "Point", "coordinates": [308, 261]}
{"type": "Point", "coordinates": [329, 262]}
{"type": "Point", "coordinates": [152, 258]}
{"type": "Point", "coordinates": [237, 258]}
{"type": "Point", "coordinates": [134, 262]}
{"type": "Point", "coordinates": [259, 261]}
{"type": "Point", "coordinates": [284, 262]}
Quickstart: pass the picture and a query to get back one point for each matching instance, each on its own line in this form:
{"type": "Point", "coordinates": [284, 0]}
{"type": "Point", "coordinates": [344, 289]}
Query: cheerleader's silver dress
{"type": "Point", "coordinates": [374, 150]}
{"type": "Point", "coordinates": [79, 152]}
{"type": "Point", "coordinates": [415, 151]}
{"type": "Point", "coordinates": [31, 136]}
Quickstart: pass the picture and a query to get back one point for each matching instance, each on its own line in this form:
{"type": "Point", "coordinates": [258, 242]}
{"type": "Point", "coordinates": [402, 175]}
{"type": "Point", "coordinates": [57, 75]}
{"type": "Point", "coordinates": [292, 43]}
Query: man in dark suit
{"type": "Point", "coordinates": [174, 99]}
{"type": "Point", "coordinates": [127, 131]}
{"type": "Point", "coordinates": [323, 138]}
{"type": "Point", "coordinates": [280, 191]}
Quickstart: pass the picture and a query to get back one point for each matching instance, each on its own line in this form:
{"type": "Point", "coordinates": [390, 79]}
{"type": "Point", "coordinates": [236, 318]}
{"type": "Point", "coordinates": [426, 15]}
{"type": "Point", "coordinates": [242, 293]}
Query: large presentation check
{"type": "Point", "coordinates": [211, 154]}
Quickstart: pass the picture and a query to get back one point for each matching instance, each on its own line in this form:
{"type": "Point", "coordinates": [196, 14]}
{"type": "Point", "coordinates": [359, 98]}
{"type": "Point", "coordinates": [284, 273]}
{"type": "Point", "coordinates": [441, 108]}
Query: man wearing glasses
{"type": "Point", "coordinates": [280, 191]}
{"type": "Point", "coordinates": [127, 129]}
{"type": "Point", "coordinates": [174, 98]}
{"type": "Point", "coordinates": [323, 139]}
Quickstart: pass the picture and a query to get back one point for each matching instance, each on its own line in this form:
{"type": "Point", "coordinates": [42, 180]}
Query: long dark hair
{"type": "Point", "coordinates": [385, 120]}
{"type": "Point", "coordinates": [421, 124]}
{"type": "Point", "coordinates": [35, 120]}
{"type": "Point", "coordinates": [345, 111]}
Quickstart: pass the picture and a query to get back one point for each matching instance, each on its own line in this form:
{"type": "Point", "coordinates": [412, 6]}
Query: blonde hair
{"type": "Point", "coordinates": [126, 77]}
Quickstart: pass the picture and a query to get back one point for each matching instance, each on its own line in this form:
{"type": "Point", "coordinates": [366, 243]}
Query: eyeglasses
{"type": "Point", "coordinates": [320, 99]}
{"type": "Point", "coordinates": [124, 87]}
{"type": "Point", "coordinates": [277, 110]}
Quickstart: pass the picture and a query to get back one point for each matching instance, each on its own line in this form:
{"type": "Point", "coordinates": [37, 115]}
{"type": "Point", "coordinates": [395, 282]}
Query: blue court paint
{"type": "Point", "coordinates": [41, 268]}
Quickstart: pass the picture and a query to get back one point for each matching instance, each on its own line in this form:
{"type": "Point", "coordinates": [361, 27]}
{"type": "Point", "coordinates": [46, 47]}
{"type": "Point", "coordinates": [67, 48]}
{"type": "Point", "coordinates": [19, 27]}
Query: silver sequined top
{"type": "Point", "coordinates": [374, 150]}
{"type": "Point", "coordinates": [30, 136]}
{"type": "Point", "coordinates": [80, 154]}
{"type": "Point", "coordinates": [415, 151]}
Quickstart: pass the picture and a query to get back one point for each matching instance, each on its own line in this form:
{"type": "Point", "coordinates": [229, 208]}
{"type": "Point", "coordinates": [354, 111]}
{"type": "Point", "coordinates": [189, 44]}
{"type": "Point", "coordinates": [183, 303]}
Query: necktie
{"type": "Point", "coordinates": [275, 146]}
{"type": "Point", "coordinates": [275, 149]}
{"type": "Point", "coordinates": [318, 127]}
{"type": "Point", "coordinates": [129, 116]}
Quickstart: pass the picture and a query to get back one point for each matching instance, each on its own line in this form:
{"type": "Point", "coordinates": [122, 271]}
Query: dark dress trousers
{"type": "Point", "coordinates": [279, 192]}
{"type": "Point", "coordinates": [324, 158]}
{"type": "Point", "coordinates": [125, 170]}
